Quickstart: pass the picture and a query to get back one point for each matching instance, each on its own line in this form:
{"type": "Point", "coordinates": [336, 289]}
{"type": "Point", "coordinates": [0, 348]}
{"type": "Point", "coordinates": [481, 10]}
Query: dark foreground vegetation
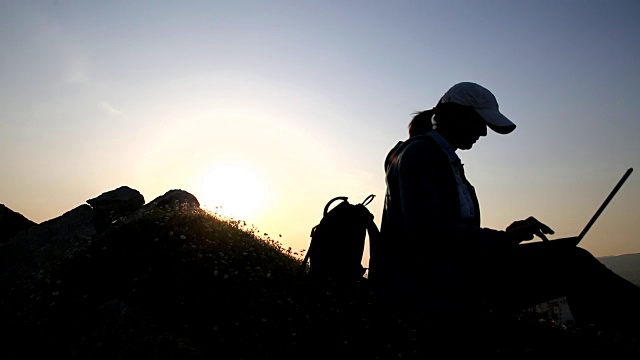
{"type": "Point", "coordinates": [182, 283]}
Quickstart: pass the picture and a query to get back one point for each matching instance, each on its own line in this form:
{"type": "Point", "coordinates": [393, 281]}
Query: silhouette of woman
{"type": "Point", "coordinates": [433, 257]}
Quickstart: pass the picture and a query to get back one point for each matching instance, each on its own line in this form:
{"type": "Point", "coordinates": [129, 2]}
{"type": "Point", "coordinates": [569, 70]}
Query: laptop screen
{"type": "Point", "coordinates": [605, 203]}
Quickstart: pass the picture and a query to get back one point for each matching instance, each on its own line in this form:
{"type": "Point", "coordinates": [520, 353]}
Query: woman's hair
{"type": "Point", "coordinates": [443, 115]}
{"type": "Point", "coordinates": [421, 122]}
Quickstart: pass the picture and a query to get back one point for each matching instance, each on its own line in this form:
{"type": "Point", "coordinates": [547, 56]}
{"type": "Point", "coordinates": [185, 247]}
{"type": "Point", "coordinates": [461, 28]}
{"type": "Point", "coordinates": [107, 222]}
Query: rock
{"type": "Point", "coordinates": [120, 201]}
{"type": "Point", "coordinates": [175, 197]}
{"type": "Point", "coordinates": [38, 245]}
{"type": "Point", "coordinates": [171, 199]}
{"type": "Point", "coordinates": [11, 223]}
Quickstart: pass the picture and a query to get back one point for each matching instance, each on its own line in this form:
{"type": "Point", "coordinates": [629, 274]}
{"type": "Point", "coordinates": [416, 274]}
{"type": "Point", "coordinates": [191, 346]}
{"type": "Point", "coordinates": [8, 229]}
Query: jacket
{"type": "Point", "coordinates": [425, 245]}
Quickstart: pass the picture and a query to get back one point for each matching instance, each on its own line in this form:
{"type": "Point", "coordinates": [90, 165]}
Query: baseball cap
{"type": "Point", "coordinates": [482, 101]}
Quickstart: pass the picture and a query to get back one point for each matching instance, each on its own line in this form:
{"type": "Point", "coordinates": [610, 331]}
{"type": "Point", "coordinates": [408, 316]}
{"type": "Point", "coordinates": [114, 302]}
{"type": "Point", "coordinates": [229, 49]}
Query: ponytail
{"type": "Point", "coordinates": [422, 122]}
{"type": "Point", "coordinates": [448, 115]}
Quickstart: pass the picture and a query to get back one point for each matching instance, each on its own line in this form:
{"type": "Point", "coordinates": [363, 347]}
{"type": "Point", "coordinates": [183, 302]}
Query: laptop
{"type": "Point", "coordinates": [575, 240]}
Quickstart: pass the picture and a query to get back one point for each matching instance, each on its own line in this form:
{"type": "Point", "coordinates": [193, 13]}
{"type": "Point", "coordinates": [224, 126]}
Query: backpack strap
{"type": "Point", "coordinates": [413, 139]}
{"type": "Point", "coordinates": [303, 266]}
{"type": "Point", "coordinates": [374, 239]}
{"type": "Point", "coordinates": [368, 200]}
{"type": "Point", "coordinates": [326, 208]}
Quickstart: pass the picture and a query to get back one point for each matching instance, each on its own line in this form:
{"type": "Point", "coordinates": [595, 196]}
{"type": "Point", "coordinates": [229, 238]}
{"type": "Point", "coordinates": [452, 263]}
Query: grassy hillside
{"type": "Point", "coordinates": [174, 283]}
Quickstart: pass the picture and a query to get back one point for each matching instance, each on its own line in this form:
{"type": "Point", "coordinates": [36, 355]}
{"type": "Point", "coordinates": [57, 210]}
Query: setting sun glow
{"type": "Point", "coordinates": [233, 190]}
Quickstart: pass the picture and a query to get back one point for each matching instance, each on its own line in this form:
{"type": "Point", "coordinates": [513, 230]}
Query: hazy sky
{"type": "Point", "coordinates": [272, 108]}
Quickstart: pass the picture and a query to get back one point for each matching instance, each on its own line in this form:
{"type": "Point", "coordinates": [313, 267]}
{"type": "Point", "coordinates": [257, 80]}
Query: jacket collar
{"type": "Point", "coordinates": [446, 147]}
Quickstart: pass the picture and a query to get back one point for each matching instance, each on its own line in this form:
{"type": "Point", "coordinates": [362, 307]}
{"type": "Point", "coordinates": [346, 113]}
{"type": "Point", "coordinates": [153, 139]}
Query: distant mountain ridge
{"type": "Point", "coordinates": [627, 266]}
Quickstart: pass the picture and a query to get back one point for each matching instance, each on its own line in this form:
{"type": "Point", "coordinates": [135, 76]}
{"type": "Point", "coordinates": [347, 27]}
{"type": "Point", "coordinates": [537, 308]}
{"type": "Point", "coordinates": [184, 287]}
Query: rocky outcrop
{"type": "Point", "coordinates": [11, 223]}
{"type": "Point", "coordinates": [40, 244]}
{"type": "Point", "coordinates": [174, 197]}
{"type": "Point", "coordinates": [120, 201]}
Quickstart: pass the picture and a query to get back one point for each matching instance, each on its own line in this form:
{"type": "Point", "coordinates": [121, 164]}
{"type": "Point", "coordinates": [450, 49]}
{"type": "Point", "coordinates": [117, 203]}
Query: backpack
{"type": "Point", "coordinates": [338, 242]}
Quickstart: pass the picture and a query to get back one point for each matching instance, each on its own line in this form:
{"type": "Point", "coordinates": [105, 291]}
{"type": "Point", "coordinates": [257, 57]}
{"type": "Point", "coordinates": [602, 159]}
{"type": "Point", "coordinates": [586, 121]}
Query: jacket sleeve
{"type": "Point", "coordinates": [424, 201]}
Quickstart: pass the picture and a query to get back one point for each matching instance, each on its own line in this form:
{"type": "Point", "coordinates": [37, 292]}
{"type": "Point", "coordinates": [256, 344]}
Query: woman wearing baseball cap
{"type": "Point", "coordinates": [433, 257]}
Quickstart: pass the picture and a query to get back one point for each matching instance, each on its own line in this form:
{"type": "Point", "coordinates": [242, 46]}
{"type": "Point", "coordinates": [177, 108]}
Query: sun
{"type": "Point", "coordinates": [234, 190]}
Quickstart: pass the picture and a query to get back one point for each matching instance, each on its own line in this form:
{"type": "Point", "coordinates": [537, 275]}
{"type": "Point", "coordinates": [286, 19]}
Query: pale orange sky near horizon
{"type": "Point", "coordinates": [271, 109]}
